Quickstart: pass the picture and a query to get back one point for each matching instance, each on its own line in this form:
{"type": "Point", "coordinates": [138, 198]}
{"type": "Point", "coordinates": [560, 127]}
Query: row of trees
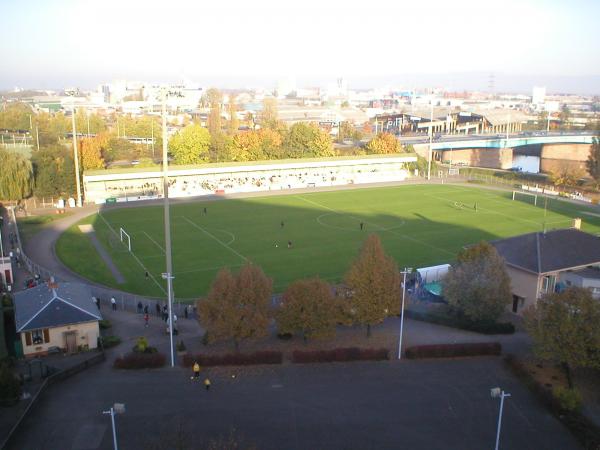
{"type": "Point", "coordinates": [238, 306]}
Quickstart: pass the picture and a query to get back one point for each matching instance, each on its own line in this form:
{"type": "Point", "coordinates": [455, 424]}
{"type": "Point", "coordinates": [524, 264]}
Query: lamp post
{"type": "Point", "coordinates": [404, 272]}
{"type": "Point", "coordinates": [117, 408]}
{"type": "Point", "coordinates": [167, 276]}
{"type": "Point", "coordinates": [495, 393]}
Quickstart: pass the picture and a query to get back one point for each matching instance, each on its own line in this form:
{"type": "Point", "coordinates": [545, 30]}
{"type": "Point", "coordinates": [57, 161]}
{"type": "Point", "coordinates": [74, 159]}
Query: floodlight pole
{"type": "Point", "coordinates": [404, 272]}
{"type": "Point", "coordinates": [430, 143]}
{"type": "Point", "coordinates": [77, 181]}
{"type": "Point", "coordinates": [169, 261]}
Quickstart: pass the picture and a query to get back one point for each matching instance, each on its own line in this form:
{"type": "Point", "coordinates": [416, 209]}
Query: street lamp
{"type": "Point", "coordinates": [404, 272]}
{"type": "Point", "coordinates": [117, 408]}
{"type": "Point", "coordinates": [495, 393]}
{"type": "Point", "coordinates": [430, 143]}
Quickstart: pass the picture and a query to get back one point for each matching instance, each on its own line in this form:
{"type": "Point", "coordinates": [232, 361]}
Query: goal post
{"type": "Point", "coordinates": [125, 238]}
{"type": "Point", "coordinates": [518, 195]}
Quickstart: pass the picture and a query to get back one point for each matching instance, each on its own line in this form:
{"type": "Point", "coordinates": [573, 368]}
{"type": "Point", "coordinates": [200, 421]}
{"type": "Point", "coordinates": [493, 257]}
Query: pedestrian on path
{"type": "Point", "coordinates": [146, 309]}
{"type": "Point", "coordinates": [139, 307]}
{"type": "Point", "coordinates": [113, 302]}
{"type": "Point", "coordinates": [157, 309]}
{"type": "Point", "coordinates": [207, 384]}
{"type": "Point", "coordinates": [196, 369]}
{"type": "Point", "coordinates": [95, 300]}
{"type": "Point", "coordinates": [146, 318]}
{"type": "Point", "coordinates": [185, 311]}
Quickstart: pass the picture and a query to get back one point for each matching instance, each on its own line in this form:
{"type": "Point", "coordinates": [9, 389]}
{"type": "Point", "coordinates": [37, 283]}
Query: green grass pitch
{"type": "Point", "coordinates": [419, 225]}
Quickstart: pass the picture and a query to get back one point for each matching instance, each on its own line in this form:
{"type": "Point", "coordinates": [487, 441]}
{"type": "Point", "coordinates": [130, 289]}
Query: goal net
{"type": "Point", "coordinates": [125, 238]}
{"type": "Point", "coordinates": [526, 197]}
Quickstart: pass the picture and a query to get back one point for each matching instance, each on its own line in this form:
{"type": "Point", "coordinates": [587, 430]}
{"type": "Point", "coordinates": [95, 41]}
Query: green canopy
{"type": "Point", "coordinates": [434, 288]}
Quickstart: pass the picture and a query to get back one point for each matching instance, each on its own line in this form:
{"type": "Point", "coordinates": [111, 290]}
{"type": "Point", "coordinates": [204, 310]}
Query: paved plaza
{"type": "Point", "coordinates": [387, 405]}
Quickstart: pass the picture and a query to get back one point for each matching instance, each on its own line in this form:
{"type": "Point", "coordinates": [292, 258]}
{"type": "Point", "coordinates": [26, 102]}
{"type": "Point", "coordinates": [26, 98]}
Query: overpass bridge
{"type": "Point", "coordinates": [556, 151]}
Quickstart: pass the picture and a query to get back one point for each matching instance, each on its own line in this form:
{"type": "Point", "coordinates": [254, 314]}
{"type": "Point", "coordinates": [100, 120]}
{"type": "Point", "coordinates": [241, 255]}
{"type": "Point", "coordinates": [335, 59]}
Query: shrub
{"type": "Point", "coordinates": [569, 399]}
{"type": "Point", "coordinates": [181, 347]}
{"type": "Point", "coordinates": [285, 336]}
{"type": "Point", "coordinates": [340, 354]}
{"type": "Point", "coordinates": [10, 387]}
{"type": "Point", "coordinates": [141, 346]}
{"type": "Point", "coordinates": [104, 324]}
{"type": "Point", "coordinates": [453, 350]}
{"type": "Point", "coordinates": [110, 341]}
{"type": "Point", "coordinates": [234, 359]}
{"type": "Point", "coordinates": [205, 340]}
{"type": "Point", "coordinates": [140, 361]}
{"type": "Point", "coordinates": [483, 327]}
{"type": "Point", "coordinates": [585, 431]}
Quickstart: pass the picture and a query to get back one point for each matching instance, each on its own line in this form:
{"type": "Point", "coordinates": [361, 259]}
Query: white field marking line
{"type": "Point", "coordinates": [230, 234]}
{"type": "Point", "coordinates": [404, 236]}
{"type": "Point", "coordinates": [589, 213]}
{"type": "Point", "coordinates": [215, 238]}
{"type": "Point", "coordinates": [133, 254]}
{"type": "Point", "coordinates": [156, 243]}
{"type": "Point", "coordinates": [207, 269]}
{"type": "Point", "coordinates": [491, 211]}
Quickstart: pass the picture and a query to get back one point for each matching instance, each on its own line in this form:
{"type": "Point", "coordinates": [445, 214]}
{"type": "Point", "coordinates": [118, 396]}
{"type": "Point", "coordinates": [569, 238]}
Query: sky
{"type": "Point", "coordinates": [238, 43]}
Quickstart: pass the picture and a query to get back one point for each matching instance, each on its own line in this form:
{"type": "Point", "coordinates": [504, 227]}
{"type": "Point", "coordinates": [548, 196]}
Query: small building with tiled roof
{"type": "Point", "coordinates": [56, 316]}
{"type": "Point", "coordinates": [545, 262]}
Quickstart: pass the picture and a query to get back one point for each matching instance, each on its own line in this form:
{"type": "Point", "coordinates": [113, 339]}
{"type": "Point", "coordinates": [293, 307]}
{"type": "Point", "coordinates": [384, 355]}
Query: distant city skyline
{"type": "Point", "coordinates": [455, 45]}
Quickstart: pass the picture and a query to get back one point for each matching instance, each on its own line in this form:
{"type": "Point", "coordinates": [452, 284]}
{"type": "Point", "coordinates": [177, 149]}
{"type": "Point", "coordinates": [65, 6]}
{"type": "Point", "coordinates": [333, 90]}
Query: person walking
{"type": "Point", "coordinates": [185, 311]}
{"type": "Point", "coordinates": [146, 318]}
{"type": "Point", "coordinates": [147, 275]}
{"type": "Point", "coordinates": [113, 302]}
{"type": "Point", "coordinates": [362, 226]}
{"type": "Point", "coordinates": [139, 307]}
{"type": "Point", "coordinates": [196, 369]}
{"type": "Point", "coordinates": [157, 309]}
{"type": "Point", "coordinates": [207, 384]}
{"type": "Point", "coordinates": [205, 211]}
{"type": "Point", "coordinates": [146, 309]}
{"type": "Point", "coordinates": [95, 300]}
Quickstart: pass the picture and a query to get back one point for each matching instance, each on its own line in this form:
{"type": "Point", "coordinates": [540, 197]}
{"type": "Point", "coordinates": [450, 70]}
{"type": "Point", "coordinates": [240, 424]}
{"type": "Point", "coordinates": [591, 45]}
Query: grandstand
{"type": "Point", "coordinates": [135, 184]}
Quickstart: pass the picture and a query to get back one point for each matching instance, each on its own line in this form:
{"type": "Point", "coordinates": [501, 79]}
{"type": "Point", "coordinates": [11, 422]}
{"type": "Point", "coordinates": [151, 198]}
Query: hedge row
{"type": "Point", "coordinates": [234, 359]}
{"type": "Point", "coordinates": [584, 430]}
{"type": "Point", "coordinates": [140, 361]}
{"type": "Point", "coordinates": [453, 350]}
{"type": "Point", "coordinates": [340, 354]}
{"type": "Point", "coordinates": [463, 324]}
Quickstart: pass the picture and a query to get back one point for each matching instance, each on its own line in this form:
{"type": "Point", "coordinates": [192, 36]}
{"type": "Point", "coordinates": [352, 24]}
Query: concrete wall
{"type": "Point", "coordinates": [559, 157]}
{"type": "Point", "coordinates": [490, 158]}
{"type": "Point", "coordinates": [87, 334]}
{"type": "Point", "coordinates": [524, 284]}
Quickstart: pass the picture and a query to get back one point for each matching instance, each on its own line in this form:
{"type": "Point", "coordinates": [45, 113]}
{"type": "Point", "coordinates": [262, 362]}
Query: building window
{"type": "Point", "coordinates": [37, 337]}
{"type": "Point", "coordinates": [548, 283]}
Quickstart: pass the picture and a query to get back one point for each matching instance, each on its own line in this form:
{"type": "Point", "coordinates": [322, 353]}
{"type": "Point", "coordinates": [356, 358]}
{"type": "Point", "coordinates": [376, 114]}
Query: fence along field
{"type": "Point", "coordinates": [419, 225]}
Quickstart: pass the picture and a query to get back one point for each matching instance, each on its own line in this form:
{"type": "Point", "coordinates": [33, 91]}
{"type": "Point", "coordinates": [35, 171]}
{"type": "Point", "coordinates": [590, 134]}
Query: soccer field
{"type": "Point", "coordinates": [419, 225]}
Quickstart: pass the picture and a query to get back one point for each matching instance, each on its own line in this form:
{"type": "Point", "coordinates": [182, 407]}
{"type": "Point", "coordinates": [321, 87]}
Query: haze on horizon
{"type": "Point", "coordinates": [52, 44]}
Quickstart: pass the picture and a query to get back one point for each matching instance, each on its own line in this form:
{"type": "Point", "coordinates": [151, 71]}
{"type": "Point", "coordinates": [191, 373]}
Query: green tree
{"type": "Point", "coordinates": [348, 131]}
{"type": "Point", "coordinates": [91, 151]}
{"type": "Point", "coordinates": [307, 140]}
{"type": "Point", "coordinates": [191, 145]}
{"type": "Point", "coordinates": [234, 123]}
{"type": "Point", "coordinates": [374, 283]}
{"type": "Point", "coordinates": [16, 176]}
{"type": "Point", "coordinates": [215, 98]}
{"type": "Point", "coordinates": [95, 121]}
{"type": "Point", "coordinates": [565, 116]}
{"type": "Point", "coordinates": [221, 147]}
{"type": "Point", "coordinates": [269, 115]}
{"type": "Point", "coordinates": [237, 306]}
{"type": "Point", "coordinates": [384, 143]}
{"type": "Point", "coordinates": [564, 328]}
{"type": "Point", "coordinates": [308, 307]}
{"type": "Point", "coordinates": [15, 116]}
{"type": "Point", "coordinates": [54, 171]}
{"type": "Point", "coordinates": [593, 162]}
{"type": "Point", "coordinates": [477, 286]}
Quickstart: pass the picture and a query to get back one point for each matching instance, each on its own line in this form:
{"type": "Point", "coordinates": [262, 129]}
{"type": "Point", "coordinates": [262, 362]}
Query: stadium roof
{"type": "Point", "coordinates": [173, 169]}
{"type": "Point", "coordinates": [553, 251]}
